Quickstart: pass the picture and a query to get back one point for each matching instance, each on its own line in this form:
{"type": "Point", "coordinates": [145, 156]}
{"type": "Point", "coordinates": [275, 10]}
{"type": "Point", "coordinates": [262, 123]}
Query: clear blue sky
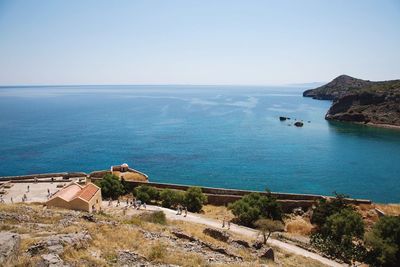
{"type": "Point", "coordinates": [197, 42]}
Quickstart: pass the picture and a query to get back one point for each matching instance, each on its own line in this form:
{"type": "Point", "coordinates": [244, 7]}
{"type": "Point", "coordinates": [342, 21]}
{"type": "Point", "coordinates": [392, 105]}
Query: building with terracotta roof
{"type": "Point", "coordinates": [77, 197]}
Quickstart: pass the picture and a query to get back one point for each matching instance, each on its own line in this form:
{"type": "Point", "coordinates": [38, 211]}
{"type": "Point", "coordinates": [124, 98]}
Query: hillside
{"type": "Point", "coordinates": [32, 235]}
{"type": "Point", "coordinates": [361, 101]}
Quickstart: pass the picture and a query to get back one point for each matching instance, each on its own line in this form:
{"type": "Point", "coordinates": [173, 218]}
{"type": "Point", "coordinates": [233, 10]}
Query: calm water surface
{"type": "Point", "coordinates": [221, 136]}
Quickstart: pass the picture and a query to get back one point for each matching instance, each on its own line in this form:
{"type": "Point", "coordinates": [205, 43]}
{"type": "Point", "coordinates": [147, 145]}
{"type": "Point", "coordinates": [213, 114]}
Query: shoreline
{"type": "Point", "coordinates": [369, 124]}
{"type": "Point", "coordinates": [384, 126]}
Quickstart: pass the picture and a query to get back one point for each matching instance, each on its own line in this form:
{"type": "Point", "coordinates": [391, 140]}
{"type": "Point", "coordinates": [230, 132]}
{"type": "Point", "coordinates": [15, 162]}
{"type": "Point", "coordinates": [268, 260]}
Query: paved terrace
{"type": "Point", "coordinates": [37, 191]}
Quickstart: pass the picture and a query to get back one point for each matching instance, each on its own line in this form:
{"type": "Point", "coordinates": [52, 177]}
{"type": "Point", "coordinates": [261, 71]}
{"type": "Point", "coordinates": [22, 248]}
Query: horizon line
{"type": "Point", "coordinates": [156, 84]}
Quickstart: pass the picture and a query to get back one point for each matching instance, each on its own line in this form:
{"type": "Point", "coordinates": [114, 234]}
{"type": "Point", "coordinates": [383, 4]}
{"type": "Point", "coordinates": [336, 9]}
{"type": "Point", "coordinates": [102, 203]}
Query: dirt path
{"type": "Point", "coordinates": [241, 230]}
{"type": "Point", "coordinates": [195, 218]}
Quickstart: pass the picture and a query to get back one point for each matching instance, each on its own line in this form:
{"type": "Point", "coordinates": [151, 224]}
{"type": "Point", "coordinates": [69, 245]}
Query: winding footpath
{"type": "Point", "coordinates": [171, 215]}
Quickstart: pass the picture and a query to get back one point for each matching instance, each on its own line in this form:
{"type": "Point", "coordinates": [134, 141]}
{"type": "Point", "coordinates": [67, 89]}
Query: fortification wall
{"type": "Point", "coordinates": [223, 196]}
{"type": "Point", "coordinates": [65, 175]}
{"type": "Point", "coordinates": [216, 196]}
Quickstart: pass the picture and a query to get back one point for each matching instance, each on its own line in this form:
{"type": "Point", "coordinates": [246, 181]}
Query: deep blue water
{"type": "Point", "coordinates": [221, 136]}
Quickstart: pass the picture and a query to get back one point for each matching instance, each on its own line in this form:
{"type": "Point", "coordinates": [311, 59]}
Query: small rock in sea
{"type": "Point", "coordinates": [298, 124]}
{"type": "Point", "coordinates": [282, 118]}
{"type": "Point", "coordinates": [309, 121]}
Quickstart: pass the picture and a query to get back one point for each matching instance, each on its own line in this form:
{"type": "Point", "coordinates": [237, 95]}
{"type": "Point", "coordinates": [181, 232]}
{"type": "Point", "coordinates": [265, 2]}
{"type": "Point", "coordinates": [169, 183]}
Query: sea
{"type": "Point", "coordinates": [217, 136]}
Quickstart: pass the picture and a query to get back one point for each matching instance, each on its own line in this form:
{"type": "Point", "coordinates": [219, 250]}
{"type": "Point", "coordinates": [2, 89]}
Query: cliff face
{"type": "Point", "coordinates": [361, 101]}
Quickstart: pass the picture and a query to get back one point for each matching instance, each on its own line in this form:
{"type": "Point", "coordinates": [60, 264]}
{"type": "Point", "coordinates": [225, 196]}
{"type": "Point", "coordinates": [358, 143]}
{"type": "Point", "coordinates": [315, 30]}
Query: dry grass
{"type": "Point", "coordinates": [389, 209]}
{"type": "Point", "coordinates": [292, 260]}
{"type": "Point", "coordinates": [298, 225]}
{"type": "Point", "coordinates": [131, 176]}
{"type": "Point", "coordinates": [217, 212]}
{"type": "Point", "coordinates": [127, 234]}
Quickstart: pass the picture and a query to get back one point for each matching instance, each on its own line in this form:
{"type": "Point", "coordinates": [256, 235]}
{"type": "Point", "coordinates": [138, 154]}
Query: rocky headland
{"type": "Point", "coordinates": [361, 101]}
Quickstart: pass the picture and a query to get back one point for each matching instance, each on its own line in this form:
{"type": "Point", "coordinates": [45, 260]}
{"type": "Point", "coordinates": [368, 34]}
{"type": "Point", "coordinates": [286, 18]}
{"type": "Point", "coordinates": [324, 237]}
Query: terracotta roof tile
{"type": "Point", "coordinates": [88, 192]}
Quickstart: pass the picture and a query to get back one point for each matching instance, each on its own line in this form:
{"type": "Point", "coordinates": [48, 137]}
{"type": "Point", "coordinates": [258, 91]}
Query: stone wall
{"type": "Point", "coordinates": [216, 196]}
{"type": "Point", "coordinates": [223, 196]}
{"type": "Point", "coordinates": [65, 175]}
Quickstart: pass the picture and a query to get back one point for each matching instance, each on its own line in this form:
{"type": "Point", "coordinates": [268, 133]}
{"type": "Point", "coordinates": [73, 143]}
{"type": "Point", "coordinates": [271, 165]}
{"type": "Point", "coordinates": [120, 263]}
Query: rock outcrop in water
{"type": "Point", "coordinates": [356, 100]}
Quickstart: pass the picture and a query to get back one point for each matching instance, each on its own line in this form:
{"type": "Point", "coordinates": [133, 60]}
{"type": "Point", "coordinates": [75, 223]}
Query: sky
{"type": "Point", "coordinates": [244, 42]}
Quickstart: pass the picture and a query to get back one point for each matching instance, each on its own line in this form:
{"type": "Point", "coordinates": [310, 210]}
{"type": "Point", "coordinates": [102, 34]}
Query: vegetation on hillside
{"type": "Point", "coordinates": [255, 206]}
{"type": "Point", "coordinates": [340, 233]}
{"type": "Point", "coordinates": [146, 193]}
{"type": "Point", "coordinates": [384, 242]}
{"type": "Point", "coordinates": [111, 186]}
{"type": "Point", "coordinates": [171, 198]}
{"type": "Point", "coordinates": [267, 227]}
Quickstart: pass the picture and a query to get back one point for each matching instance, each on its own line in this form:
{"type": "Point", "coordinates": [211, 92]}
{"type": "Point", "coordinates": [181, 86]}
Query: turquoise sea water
{"type": "Point", "coordinates": [221, 136]}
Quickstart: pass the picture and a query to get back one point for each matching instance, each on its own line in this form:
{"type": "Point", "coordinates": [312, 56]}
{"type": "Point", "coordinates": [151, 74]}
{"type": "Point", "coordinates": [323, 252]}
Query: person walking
{"type": "Point", "coordinates": [27, 189]}
{"type": "Point", "coordinates": [229, 224]}
{"type": "Point", "coordinates": [223, 223]}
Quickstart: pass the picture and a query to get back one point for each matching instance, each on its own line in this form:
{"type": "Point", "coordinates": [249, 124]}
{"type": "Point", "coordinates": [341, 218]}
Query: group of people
{"type": "Point", "coordinates": [136, 204]}
{"type": "Point", "coordinates": [181, 209]}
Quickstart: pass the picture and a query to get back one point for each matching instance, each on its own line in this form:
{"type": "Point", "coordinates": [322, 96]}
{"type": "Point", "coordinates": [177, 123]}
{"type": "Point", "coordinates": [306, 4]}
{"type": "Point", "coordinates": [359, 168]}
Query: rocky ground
{"type": "Point", "coordinates": [32, 235]}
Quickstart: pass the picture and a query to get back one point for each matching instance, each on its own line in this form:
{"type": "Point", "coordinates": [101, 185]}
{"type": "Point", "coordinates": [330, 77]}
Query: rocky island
{"type": "Point", "coordinates": [361, 101]}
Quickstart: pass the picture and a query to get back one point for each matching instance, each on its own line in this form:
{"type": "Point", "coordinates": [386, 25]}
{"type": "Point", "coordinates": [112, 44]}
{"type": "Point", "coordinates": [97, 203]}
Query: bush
{"type": "Point", "coordinates": [146, 193]}
{"type": "Point", "coordinates": [384, 241]}
{"type": "Point", "coordinates": [171, 198]}
{"type": "Point", "coordinates": [194, 199]}
{"type": "Point", "coordinates": [110, 186]}
{"type": "Point", "coordinates": [341, 235]}
{"type": "Point", "coordinates": [326, 208]}
{"type": "Point", "coordinates": [155, 217]}
{"type": "Point", "coordinates": [128, 187]}
{"type": "Point", "coordinates": [255, 206]}
{"type": "Point", "coordinates": [347, 252]}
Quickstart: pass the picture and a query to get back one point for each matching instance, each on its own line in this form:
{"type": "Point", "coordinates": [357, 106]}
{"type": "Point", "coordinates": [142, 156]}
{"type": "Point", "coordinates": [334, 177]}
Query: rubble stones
{"type": "Point", "coordinates": [267, 254]}
{"type": "Point", "coordinates": [52, 260]}
{"type": "Point", "coordinates": [56, 243]}
{"type": "Point", "coordinates": [217, 234]}
{"type": "Point", "coordinates": [9, 245]}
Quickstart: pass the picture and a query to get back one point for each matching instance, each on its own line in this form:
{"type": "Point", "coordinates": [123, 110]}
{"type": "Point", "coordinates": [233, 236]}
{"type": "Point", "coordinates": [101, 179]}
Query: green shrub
{"type": "Point", "coordinates": [341, 235]}
{"type": "Point", "coordinates": [347, 251]}
{"type": "Point", "coordinates": [128, 187]}
{"type": "Point", "coordinates": [326, 208]}
{"type": "Point", "coordinates": [255, 206]}
{"type": "Point", "coordinates": [195, 199]}
{"type": "Point", "coordinates": [146, 193]}
{"type": "Point", "coordinates": [154, 217]}
{"type": "Point", "coordinates": [171, 198]}
{"type": "Point", "coordinates": [384, 242]}
{"type": "Point", "coordinates": [346, 224]}
{"type": "Point", "coordinates": [110, 186]}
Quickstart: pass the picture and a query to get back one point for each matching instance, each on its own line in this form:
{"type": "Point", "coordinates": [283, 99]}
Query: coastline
{"type": "Point", "coordinates": [369, 124]}
{"type": "Point", "coordinates": [385, 126]}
